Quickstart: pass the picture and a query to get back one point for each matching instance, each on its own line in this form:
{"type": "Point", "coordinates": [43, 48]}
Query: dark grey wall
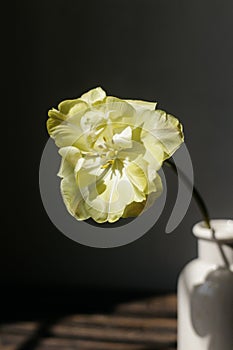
{"type": "Point", "coordinates": [178, 53]}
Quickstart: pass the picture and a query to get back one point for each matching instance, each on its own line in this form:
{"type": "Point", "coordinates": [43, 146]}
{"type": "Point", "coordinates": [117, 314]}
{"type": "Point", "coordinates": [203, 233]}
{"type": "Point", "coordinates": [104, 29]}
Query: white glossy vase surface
{"type": "Point", "coordinates": [205, 291]}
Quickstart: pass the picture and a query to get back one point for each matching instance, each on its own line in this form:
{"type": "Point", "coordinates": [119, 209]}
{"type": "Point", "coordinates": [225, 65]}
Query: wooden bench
{"type": "Point", "coordinates": [96, 323]}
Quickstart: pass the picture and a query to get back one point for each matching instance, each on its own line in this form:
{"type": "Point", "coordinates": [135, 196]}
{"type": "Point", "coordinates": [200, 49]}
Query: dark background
{"type": "Point", "coordinates": [179, 53]}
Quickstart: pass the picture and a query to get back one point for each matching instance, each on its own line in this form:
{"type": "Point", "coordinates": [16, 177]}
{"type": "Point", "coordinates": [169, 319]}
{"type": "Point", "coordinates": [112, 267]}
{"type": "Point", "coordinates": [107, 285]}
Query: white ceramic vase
{"type": "Point", "coordinates": [205, 291]}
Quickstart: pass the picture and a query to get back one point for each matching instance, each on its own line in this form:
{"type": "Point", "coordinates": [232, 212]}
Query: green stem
{"type": "Point", "coordinates": [199, 200]}
{"type": "Point", "coordinates": [202, 206]}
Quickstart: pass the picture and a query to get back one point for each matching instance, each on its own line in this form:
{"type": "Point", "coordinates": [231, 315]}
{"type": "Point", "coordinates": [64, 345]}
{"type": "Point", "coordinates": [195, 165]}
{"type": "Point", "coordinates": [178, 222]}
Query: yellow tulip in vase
{"type": "Point", "coordinates": [111, 151]}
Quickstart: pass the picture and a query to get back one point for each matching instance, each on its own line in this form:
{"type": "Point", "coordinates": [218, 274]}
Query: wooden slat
{"type": "Point", "coordinates": [26, 328]}
{"type": "Point", "coordinates": [114, 334]}
{"type": "Point", "coordinates": [163, 305]}
{"type": "Point", "coordinates": [12, 342]}
{"type": "Point", "coordinates": [142, 324]}
{"type": "Point", "coordinates": [97, 320]}
{"type": "Point", "coordinates": [120, 321]}
{"type": "Point", "coordinates": [108, 334]}
{"type": "Point", "coordinates": [72, 344]}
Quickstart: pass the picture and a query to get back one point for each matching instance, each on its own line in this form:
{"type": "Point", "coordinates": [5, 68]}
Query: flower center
{"type": "Point", "coordinates": [107, 164]}
{"type": "Point", "coordinates": [111, 156]}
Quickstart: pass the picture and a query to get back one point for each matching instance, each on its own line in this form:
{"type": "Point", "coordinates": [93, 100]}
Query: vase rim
{"type": "Point", "coordinates": [223, 230]}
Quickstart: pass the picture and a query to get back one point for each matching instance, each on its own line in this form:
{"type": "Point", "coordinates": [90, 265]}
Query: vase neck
{"type": "Point", "coordinates": [209, 251]}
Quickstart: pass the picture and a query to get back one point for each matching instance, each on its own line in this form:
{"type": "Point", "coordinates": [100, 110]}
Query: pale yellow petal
{"type": "Point", "coordinates": [137, 176]}
{"type": "Point", "coordinates": [124, 139]}
{"type": "Point", "coordinates": [72, 107]}
{"type": "Point", "coordinates": [70, 157]}
{"type": "Point", "coordinates": [73, 198]}
{"type": "Point", "coordinates": [133, 209]}
{"type": "Point", "coordinates": [66, 129]}
{"type": "Point", "coordinates": [164, 130]}
{"type": "Point", "coordinates": [94, 95]}
{"type": "Point", "coordinates": [117, 110]}
{"type": "Point", "coordinates": [139, 105]}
